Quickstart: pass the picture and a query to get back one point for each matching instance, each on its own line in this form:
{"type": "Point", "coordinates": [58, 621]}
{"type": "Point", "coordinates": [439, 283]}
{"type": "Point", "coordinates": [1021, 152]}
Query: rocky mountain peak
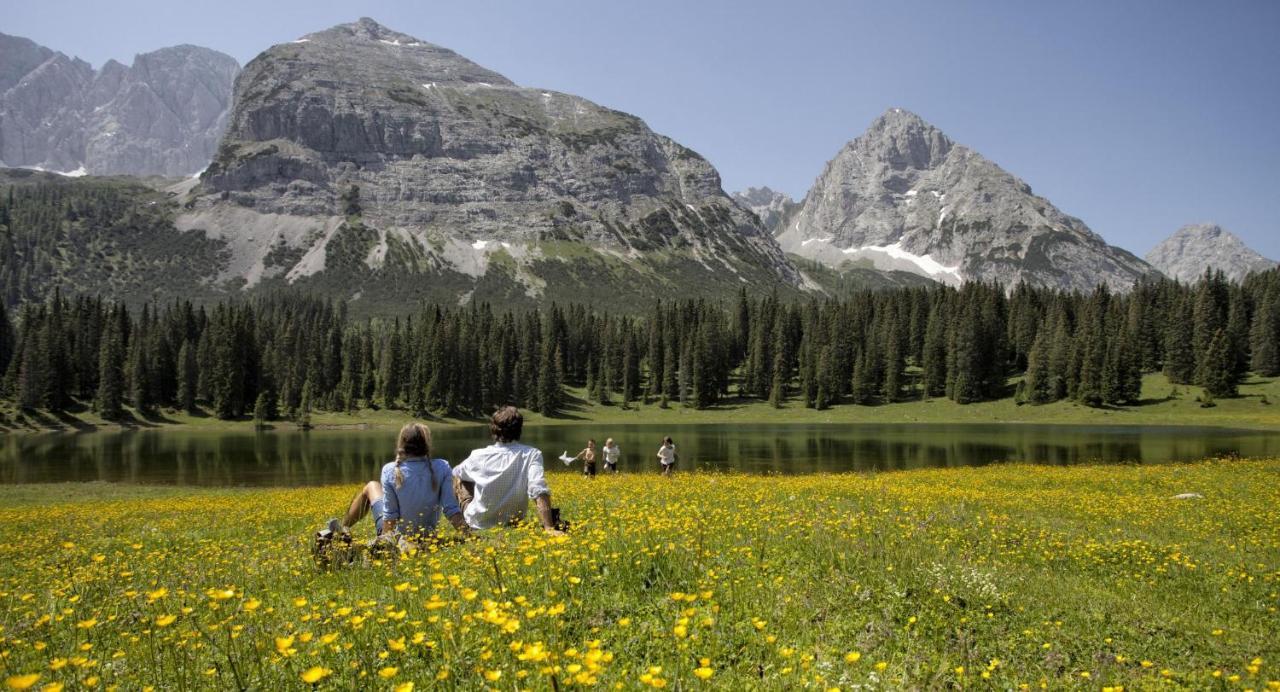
{"type": "Point", "coordinates": [904, 140]}
{"type": "Point", "coordinates": [1191, 249]}
{"type": "Point", "coordinates": [402, 56]}
{"type": "Point", "coordinates": [364, 29]}
{"type": "Point", "coordinates": [904, 196]}
{"type": "Point", "coordinates": [773, 208]}
{"type": "Point", "coordinates": [160, 116]}
{"type": "Point", "coordinates": [18, 57]}
{"type": "Point", "coordinates": [357, 156]}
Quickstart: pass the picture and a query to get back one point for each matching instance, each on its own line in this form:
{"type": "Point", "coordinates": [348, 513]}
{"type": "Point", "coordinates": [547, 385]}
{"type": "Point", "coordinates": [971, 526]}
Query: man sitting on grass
{"type": "Point", "coordinates": [494, 485]}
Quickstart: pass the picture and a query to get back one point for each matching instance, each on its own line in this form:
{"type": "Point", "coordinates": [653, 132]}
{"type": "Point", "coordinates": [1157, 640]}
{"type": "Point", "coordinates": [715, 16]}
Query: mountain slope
{"type": "Point", "coordinates": [906, 197]}
{"type": "Point", "coordinates": [372, 164]}
{"type": "Point", "coordinates": [162, 115]}
{"type": "Point", "coordinates": [1195, 247]}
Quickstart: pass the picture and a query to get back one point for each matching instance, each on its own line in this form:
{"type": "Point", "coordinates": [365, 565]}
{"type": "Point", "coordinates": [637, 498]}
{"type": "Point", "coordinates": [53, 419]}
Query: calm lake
{"type": "Point", "coordinates": [292, 458]}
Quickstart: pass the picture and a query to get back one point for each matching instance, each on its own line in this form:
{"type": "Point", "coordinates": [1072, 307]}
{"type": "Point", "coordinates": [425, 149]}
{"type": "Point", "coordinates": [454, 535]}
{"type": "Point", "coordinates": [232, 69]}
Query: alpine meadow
{"type": "Point", "coordinates": [336, 359]}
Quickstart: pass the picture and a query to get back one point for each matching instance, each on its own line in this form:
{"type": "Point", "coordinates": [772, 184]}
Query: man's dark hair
{"type": "Point", "coordinates": [506, 424]}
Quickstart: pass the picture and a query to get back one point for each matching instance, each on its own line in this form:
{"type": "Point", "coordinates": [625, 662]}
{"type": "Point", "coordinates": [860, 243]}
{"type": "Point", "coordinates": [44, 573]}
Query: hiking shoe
{"type": "Point", "coordinates": [384, 547]}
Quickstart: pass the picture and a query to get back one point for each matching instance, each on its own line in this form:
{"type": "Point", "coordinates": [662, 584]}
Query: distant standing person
{"type": "Point", "coordinates": [611, 456]}
{"type": "Point", "coordinates": [667, 455]}
{"type": "Point", "coordinates": [588, 457]}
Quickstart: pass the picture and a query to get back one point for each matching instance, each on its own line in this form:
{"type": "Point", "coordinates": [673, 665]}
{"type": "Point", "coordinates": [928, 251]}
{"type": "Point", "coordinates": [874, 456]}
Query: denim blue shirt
{"type": "Point", "coordinates": [427, 489]}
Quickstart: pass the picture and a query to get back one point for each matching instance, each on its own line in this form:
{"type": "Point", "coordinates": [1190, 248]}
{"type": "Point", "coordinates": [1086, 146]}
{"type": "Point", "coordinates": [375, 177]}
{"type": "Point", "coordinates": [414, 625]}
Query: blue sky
{"type": "Point", "coordinates": [1136, 116]}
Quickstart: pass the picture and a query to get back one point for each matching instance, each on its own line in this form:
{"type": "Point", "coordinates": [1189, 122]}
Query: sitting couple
{"type": "Point", "coordinates": [492, 487]}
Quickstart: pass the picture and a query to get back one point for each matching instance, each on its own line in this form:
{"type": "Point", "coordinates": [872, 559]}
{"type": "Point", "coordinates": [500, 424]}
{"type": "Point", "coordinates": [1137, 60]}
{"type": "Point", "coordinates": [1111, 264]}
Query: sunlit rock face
{"type": "Point", "coordinates": [1192, 249]}
{"type": "Point", "coordinates": [904, 196]}
{"type": "Point", "coordinates": [163, 115]}
{"type": "Point", "coordinates": [452, 169]}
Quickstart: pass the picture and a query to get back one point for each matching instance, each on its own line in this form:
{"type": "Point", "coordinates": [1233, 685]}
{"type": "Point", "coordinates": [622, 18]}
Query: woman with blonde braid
{"type": "Point", "coordinates": [409, 498]}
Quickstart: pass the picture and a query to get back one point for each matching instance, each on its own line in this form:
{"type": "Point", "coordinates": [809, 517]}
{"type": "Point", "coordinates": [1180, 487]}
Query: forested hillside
{"type": "Point", "coordinates": [281, 356]}
{"type": "Point", "coordinates": [110, 236]}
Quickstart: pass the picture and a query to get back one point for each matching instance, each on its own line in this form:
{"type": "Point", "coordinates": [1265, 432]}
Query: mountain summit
{"type": "Point", "coordinates": [904, 196]}
{"type": "Point", "coordinates": [359, 156]}
{"type": "Point", "coordinates": [162, 115]}
{"type": "Point", "coordinates": [1195, 247]}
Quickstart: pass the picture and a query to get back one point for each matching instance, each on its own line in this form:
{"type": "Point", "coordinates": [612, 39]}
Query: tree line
{"type": "Point", "coordinates": [285, 355]}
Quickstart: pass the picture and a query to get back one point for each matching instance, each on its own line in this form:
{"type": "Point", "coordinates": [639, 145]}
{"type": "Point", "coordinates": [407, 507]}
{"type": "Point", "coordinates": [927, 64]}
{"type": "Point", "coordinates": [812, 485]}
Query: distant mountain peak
{"type": "Point", "coordinates": [160, 116]}
{"type": "Point", "coordinates": [905, 140]}
{"type": "Point", "coordinates": [1191, 249]}
{"type": "Point", "coordinates": [365, 43]}
{"type": "Point", "coordinates": [773, 208]}
{"type": "Point", "coordinates": [365, 29]}
{"type": "Point", "coordinates": [903, 195]}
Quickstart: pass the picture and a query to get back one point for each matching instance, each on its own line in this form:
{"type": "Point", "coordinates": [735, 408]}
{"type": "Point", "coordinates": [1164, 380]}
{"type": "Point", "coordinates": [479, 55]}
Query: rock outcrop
{"type": "Point", "coordinates": [906, 197]}
{"type": "Point", "coordinates": [161, 116]}
{"type": "Point", "coordinates": [358, 156]}
{"type": "Point", "coordinates": [1195, 247]}
{"type": "Point", "coordinates": [773, 208]}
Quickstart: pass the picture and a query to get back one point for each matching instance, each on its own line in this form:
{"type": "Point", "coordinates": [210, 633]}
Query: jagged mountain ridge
{"type": "Point", "coordinates": [358, 154]}
{"type": "Point", "coordinates": [162, 115]}
{"type": "Point", "coordinates": [906, 197]}
{"type": "Point", "coordinates": [773, 208]}
{"type": "Point", "coordinates": [1195, 247]}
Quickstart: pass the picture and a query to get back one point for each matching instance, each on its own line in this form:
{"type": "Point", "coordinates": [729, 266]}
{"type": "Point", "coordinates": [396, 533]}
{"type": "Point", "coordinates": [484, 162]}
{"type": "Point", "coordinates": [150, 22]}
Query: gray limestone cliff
{"type": "Point", "coordinates": [359, 153]}
{"type": "Point", "coordinates": [773, 208]}
{"type": "Point", "coordinates": [163, 115]}
{"type": "Point", "coordinates": [906, 197]}
{"type": "Point", "coordinates": [1195, 247]}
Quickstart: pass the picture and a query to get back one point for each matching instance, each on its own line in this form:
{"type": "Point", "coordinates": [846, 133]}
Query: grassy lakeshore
{"type": "Point", "coordinates": [1080, 577]}
{"type": "Point", "coordinates": [1258, 406]}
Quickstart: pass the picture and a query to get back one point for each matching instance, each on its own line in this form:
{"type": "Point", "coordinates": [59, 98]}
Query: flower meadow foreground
{"type": "Point", "coordinates": [1001, 577]}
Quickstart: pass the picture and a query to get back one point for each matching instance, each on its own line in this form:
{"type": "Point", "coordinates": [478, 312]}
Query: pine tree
{"type": "Point", "coordinates": [967, 353]}
{"type": "Point", "coordinates": [1179, 351]}
{"type": "Point", "coordinates": [110, 396]}
{"type": "Point", "coordinates": [1264, 336]}
{"type": "Point", "coordinates": [935, 353]}
{"type": "Point", "coordinates": [1215, 373]}
{"type": "Point", "coordinates": [139, 374]}
{"type": "Point", "coordinates": [260, 409]}
{"type": "Point", "coordinates": [550, 374]}
{"type": "Point", "coordinates": [630, 369]}
{"type": "Point", "coordinates": [1038, 387]}
{"type": "Point", "coordinates": [893, 364]}
{"type": "Point", "coordinates": [1208, 315]}
{"type": "Point", "coordinates": [1237, 330]}
{"type": "Point", "coordinates": [826, 392]}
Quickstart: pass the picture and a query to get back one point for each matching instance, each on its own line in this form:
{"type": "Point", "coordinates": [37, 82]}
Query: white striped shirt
{"type": "Point", "coordinates": [507, 475]}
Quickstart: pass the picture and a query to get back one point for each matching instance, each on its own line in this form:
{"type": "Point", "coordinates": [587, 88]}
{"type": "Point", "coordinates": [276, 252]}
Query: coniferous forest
{"type": "Point", "coordinates": [282, 356]}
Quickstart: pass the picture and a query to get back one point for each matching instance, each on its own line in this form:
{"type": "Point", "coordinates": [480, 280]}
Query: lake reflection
{"type": "Point", "coordinates": [292, 458]}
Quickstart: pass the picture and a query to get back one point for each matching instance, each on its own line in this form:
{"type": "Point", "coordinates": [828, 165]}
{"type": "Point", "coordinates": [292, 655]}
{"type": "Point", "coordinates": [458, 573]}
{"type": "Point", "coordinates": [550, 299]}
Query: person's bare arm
{"type": "Point", "coordinates": [460, 524]}
{"type": "Point", "coordinates": [544, 513]}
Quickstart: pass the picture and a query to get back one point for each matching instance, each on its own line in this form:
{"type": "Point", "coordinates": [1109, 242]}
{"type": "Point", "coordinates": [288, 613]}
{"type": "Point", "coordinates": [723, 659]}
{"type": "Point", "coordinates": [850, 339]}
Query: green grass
{"type": "Point", "coordinates": [1159, 408]}
{"type": "Point", "coordinates": [994, 577]}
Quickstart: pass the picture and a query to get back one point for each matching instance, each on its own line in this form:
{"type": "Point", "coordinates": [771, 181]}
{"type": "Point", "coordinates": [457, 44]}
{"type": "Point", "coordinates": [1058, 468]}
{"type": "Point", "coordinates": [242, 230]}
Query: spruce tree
{"type": "Point", "coordinates": [1215, 373]}
{"type": "Point", "coordinates": [825, 392]}
{"type": "Point", "coordinates": [1038, 387]}
{"type": "Point", "coordinates": [139, 374]}
{"type": "Point", "coordinates": [1179, 349]}
{"type": "Point", "coordinates": [935, 353]}
{"type": "Point", "coordinates": [109, 400]}
{"type": "Point", "coordinates": [1264, 335]}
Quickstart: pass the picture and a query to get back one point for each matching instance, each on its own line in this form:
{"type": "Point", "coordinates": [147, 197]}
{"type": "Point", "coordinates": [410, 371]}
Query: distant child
{"type": "Point", "coordinates": [611, 455]}
{"type": "Point", "coordinates": [667, 455]}
{"type": "Point", "coordinates": [588, 457]}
